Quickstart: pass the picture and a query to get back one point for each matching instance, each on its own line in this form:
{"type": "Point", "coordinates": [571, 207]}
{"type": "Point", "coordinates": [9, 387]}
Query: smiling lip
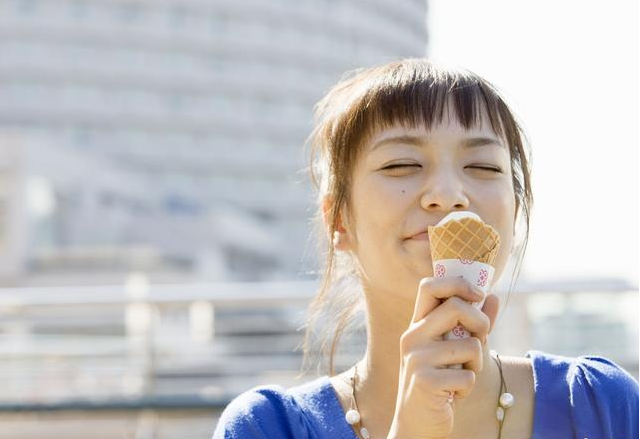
{"type": "Point", "coordinates": [424, 236]}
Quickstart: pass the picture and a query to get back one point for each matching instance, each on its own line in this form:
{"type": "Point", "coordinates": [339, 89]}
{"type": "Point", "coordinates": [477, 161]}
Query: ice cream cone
{"type": "Point", "coordinates": [464, 236]}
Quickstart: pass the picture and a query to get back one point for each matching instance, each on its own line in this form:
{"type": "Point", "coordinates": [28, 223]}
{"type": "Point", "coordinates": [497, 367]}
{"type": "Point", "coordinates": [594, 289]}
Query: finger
{"type": "Point", "coordinates": [439, 355]}
{"type": "Point", "coordinates": [454, 311]}
{"type": "Point", "coordinates": [491, 308]}
{"type": "Point", "coordinates": [442, 381]}
{"type": "Point", "coordinates": [431, 292]}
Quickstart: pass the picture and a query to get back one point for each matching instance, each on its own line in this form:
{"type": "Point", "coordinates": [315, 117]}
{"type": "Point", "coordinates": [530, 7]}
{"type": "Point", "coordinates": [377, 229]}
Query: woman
{"type": "Point", "coordinates": [395, 149]}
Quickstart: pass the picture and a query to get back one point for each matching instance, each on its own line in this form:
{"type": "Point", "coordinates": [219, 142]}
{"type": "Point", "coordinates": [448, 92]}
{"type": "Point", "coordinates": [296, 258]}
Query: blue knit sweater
{"type": "Point", "coordinates": [585, 397]}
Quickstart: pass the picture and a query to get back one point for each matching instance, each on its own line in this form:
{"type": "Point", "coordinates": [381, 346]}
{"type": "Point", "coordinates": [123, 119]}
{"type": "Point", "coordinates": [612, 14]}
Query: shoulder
{"type": "Point", "coordinates": [261, 412]}
{"type": "Point", "coordinates": [599, 374]}
{"type": "Point", "coordinates": [604, 375]}
{"type": "Point", "coordinates": [592, 392]}
{"type": "Point", "coordinates": [273, 411]}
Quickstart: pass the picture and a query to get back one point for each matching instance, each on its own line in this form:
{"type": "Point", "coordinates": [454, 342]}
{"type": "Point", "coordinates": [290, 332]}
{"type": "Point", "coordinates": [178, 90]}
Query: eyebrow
{"type": "Point", "coordinates": [468, 142]}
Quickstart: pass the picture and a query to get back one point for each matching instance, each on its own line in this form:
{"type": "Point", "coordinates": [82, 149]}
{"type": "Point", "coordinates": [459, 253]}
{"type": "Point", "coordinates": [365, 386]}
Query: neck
{"type": "Point", "coordinates": [378, 372]}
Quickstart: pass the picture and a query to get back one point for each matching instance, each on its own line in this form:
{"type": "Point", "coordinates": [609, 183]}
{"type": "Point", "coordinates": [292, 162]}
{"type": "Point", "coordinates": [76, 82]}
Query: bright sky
{"type": "Point", "coordinates": [569, 69]}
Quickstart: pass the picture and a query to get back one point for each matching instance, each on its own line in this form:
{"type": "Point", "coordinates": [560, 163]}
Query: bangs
{"type": "Point", "coordinates": [419, 95]}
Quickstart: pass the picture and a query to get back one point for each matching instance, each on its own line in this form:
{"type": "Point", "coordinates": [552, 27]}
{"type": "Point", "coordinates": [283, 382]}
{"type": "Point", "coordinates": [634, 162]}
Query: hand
{"type": "Point", "coordinates": [422, 410]}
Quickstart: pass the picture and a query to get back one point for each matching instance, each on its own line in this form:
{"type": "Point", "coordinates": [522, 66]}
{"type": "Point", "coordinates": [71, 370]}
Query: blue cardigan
{"type": "Point", "coordinates": [585, 397]}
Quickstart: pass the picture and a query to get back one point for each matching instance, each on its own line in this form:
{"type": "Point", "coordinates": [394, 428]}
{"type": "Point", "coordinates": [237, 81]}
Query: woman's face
{"type": "Point", "coordinates": [406, 179]}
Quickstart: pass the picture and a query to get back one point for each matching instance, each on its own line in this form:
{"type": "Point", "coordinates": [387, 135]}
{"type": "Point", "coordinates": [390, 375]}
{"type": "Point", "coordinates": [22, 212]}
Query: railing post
{"type": "Point", "coordinates": [140, 319]}
{"type": "Point", "coordinates": [202, 321]}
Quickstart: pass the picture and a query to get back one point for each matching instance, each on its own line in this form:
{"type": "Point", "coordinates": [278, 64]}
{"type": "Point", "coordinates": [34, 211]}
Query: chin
{"type": "Point", "coordinates": [421, 268]}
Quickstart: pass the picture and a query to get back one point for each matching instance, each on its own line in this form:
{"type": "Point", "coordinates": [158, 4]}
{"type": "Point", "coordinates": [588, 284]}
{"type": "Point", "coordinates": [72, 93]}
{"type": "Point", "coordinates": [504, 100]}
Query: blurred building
{"type": "Point", "coordinates": [166, 135]}
{"type": "Point", "coordinates": [12, 212]}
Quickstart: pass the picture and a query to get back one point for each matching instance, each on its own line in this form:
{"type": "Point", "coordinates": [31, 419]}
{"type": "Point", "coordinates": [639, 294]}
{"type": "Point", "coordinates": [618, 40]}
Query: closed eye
{"type": "Point", "coordinates": [402, 165]}
{"type": "Point", "coordinates": [486, 168]}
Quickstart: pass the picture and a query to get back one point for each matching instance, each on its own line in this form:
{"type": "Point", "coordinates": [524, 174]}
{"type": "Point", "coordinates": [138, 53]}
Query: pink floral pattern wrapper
{"type": "Point", "coordinates": [478, 273]}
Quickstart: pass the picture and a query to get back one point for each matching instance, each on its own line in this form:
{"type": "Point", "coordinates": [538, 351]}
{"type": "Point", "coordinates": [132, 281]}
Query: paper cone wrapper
{"type": "Point", "coordinates": [477, 273]}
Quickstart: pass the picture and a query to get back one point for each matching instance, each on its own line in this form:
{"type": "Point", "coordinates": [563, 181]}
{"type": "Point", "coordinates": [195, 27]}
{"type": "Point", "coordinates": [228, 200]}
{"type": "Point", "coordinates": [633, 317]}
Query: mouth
{"type": "Point", "coordinates": [424, 236]}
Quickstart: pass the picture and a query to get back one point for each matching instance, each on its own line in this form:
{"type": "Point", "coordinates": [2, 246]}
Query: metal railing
{"type": "Point", "coordinates": [138, 346]}
{"type": "Point", "coordinates": [119, 344]}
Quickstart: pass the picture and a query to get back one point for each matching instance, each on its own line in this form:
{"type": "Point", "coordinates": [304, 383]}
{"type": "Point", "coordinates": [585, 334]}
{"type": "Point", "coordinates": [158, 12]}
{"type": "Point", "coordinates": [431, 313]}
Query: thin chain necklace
{"type": "Point", "coordinates": [505, 401]}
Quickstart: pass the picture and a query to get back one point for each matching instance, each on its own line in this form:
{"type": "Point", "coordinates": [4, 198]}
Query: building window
{"type": "Point", "coordinates": [175, 101]}
{"type": "Point", "coordinates": [82, 137]}
{"type": "Point", "coordinates": [219, 21]}
{"type": "Point", "coordinates": [177, 16]}
{"type": "Point", "coordinates": [27, 7]}
{"type": "Point", "coordinates": [79, 9]}
{"type": "Point", "coordinates": [128, 12]}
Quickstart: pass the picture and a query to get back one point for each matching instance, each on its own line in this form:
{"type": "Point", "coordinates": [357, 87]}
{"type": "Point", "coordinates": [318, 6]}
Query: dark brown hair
{"type": "Point", "coordinates": [410, 93]}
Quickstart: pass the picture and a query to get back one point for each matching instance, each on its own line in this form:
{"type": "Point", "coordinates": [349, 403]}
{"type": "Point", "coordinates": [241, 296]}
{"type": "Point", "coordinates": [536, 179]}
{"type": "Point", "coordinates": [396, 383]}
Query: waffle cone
{"type": "Point", "coordinates": [466, 238]}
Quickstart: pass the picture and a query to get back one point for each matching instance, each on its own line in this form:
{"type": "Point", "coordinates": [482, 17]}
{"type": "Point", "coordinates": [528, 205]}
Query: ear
{"type": "Point", "coordinates": [341, 239]}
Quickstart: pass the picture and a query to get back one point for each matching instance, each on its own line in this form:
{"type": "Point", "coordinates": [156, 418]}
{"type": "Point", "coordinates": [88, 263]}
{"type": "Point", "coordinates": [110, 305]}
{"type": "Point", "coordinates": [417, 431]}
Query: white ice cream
{"type": "Point", "coordinates": [458, 216]}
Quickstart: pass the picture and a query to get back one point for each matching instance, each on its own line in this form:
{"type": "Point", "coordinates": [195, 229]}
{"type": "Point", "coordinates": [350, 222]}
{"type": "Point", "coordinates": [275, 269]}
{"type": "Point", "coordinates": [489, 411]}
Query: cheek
{"type": "Point", "coordinates": [498, 201]}
{"type": "Point", "coordinates": [379, 211]}
{"type": "Point", "coordinates": [381, 203]}
{"type": "Point", "coordinates": [503, 221]}
{"type": "Point", "coordinates": [506, 220]}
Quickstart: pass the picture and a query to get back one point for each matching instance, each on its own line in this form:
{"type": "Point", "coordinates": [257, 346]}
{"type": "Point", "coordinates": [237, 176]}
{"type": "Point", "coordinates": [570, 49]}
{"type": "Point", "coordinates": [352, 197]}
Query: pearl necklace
{"type": "Point", "coordinates": [505, 401]}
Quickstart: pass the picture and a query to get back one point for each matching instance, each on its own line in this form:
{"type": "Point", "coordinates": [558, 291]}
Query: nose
{"type": "Point", "coordinates": [445, 192]}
